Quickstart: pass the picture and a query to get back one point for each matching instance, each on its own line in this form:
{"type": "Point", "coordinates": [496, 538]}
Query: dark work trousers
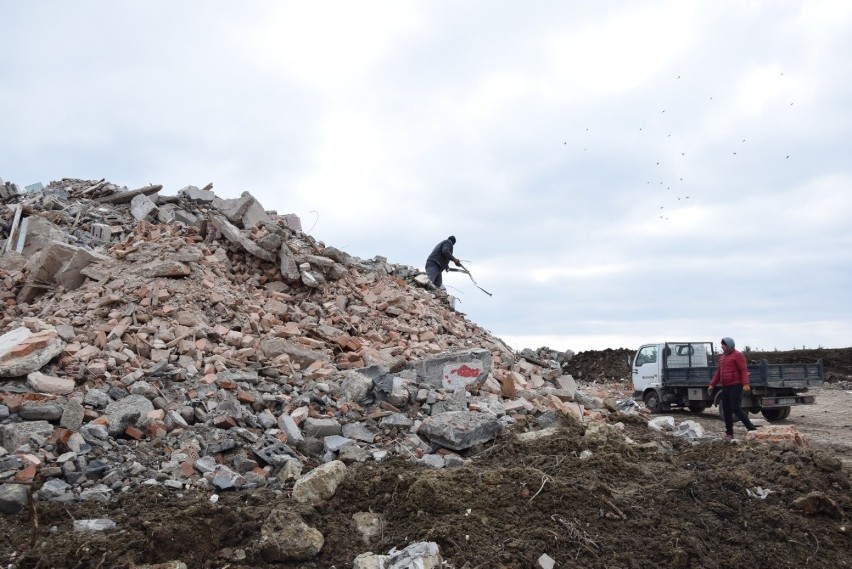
{"type": "Point", "coordinates": [433, 271]}
{"type": "Point", "coordinates": [732, 404]}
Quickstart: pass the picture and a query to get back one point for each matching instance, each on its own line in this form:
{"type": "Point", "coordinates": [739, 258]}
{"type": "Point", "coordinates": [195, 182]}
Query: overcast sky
{"type": "Point", "coordinates": [616, 173]}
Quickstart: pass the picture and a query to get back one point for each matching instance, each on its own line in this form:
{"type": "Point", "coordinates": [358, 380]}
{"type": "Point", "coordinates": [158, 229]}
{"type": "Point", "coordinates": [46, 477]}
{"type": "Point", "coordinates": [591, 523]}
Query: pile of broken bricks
{"type": "Point", "coordinates": [132, 319]}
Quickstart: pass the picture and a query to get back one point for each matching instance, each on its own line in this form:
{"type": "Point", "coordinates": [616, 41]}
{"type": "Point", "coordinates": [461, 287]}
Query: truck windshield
{"type": "Point", "coordinates": [646, 355]}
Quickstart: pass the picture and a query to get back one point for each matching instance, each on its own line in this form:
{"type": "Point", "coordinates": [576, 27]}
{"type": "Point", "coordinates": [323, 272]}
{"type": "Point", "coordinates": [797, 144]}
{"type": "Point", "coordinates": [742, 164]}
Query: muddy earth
{"type": "Point", "coordinates": [637, 499]}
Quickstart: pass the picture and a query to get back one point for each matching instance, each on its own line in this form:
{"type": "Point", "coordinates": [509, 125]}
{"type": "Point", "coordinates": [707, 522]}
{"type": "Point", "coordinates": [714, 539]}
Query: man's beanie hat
{"type": "Point", "coordinates": [452, 238]}
{"type": "Point", "coordinates": [728, 341]}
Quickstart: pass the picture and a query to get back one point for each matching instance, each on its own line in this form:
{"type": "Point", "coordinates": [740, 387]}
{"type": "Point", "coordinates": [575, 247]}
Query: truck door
{"type": "Point", "coordinates": [646, 369]}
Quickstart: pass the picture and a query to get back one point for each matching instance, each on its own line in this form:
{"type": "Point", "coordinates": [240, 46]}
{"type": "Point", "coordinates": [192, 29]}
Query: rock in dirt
{"type": "Point", "coordinates": [319, 484]}
{"type": "Point", "coordinates": [817, 503]}
{"type": "Point", "coordinates": [286, 537]}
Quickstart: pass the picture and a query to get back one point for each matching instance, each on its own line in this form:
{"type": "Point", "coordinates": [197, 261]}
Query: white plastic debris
{"type": "Point", "coordinates": [688, 429]}
{"type": "Point", "coordinates": [214, 498]}
{"type": "Point", "coordinates": [759, 492]}
{"type": "Point", "coordinates": [95, 525]}
{"type": "Point", "coordinates": [629, 406]}
{"type": "Point", "coordinates": [662, 423]}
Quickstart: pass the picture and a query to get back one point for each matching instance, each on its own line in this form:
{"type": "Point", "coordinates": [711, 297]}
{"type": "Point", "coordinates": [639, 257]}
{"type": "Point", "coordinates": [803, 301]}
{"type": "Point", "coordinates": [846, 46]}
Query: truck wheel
{"type": "Point", "coordinates": [776, 414]}
{"type": "Point", "coordinates": [697, 407]}
{"type": "Point", "coordinates": [652, 402]}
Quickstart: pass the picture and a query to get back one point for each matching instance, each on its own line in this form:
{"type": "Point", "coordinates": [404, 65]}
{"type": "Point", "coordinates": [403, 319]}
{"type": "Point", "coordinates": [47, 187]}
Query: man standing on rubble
{"type": "Point", "coordinates": [732, 373]}
{"type": "Point", "coordinates": [439, 260]}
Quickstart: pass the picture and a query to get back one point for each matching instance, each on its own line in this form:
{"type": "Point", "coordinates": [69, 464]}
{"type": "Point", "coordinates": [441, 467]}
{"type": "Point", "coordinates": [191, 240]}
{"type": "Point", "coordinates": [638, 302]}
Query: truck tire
{"type": "Point", "coordinates": [776, 414]}
{"type": "Point", "coordinates": [652, 401]}
{"type": "Point", "coordinates": [697, 407]}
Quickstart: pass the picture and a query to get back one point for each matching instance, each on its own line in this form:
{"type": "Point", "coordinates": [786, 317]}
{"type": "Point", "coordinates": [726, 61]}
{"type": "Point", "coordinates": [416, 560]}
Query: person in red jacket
{"type": "Point", "coordinates": [732, 374]}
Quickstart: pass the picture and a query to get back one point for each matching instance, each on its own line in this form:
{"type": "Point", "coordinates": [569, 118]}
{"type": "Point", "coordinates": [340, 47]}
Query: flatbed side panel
{"type": "Point", "coordinates": [790, 376]}
{"type": "Point", "coordinates": [795, 376]}
{"type": "Point", "coordinates": [688, 376]}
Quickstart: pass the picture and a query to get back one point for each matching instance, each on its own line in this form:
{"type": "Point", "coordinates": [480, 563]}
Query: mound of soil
{"type": "Point", "coordinates": [611, 365]}
{"type": "Point", "coordinates": [646, 501]}
{"type": "Point", "coordinates": [600, 365]}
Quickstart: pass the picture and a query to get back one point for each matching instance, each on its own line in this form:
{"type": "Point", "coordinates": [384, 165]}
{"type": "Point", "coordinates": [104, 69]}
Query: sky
{"type": "Point", "coordinates": [616, 172]}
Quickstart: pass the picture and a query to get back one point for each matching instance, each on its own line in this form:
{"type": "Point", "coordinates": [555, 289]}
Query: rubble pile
{"type": "Point", "coordinates": [194, 341]}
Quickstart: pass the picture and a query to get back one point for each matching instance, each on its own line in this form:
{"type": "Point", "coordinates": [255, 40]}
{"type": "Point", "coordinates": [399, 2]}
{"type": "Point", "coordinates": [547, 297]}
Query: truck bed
{"type": "Point", "coordinates": [791, 376]}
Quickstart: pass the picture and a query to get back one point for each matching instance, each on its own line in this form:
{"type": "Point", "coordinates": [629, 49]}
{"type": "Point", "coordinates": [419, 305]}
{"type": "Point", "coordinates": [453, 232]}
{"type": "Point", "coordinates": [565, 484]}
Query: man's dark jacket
{"type": "Point", "coordinates": [442, 254]}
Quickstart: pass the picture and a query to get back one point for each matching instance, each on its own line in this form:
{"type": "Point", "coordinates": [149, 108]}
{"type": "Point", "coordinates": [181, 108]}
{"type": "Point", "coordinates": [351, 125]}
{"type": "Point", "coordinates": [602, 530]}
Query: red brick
{"type": "Point", "coordinates": [26, 474]}
{"type": "Point", "coordinates": [245, 397]}
{"type": "Point", "coordinates": [224, 422]}
{"type": "Point", "coordinates": [188, 468]}
{"type": "Point", "coordinates": [134, 433]}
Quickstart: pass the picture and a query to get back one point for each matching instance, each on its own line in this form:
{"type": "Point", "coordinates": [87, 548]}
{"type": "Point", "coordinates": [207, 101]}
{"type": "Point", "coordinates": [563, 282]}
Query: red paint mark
{"type": "Point", "coordinates": [465, 371]}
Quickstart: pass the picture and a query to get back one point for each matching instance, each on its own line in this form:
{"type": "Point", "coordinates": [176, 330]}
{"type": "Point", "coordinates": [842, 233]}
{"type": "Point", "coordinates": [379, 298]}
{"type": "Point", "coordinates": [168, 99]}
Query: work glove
{"type": "Point", "coordinates": [710, 390]}
{"type": "Point", "coordinates": [457, 262]}
{"type": "Point", "coordinates": [746, 387]}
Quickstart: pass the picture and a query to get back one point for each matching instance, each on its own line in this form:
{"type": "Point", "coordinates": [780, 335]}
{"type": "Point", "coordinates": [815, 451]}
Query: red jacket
{"type": "Point", "coordinates": [732, 370]}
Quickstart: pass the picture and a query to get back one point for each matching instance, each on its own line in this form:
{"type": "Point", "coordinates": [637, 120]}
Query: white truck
{"type": "Point", "coordinates": [677, 374]}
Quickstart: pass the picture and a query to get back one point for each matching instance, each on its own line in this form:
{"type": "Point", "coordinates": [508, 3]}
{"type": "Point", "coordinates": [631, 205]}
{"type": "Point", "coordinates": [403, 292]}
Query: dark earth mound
{"type": "Point", "coordinates": [611, 365]}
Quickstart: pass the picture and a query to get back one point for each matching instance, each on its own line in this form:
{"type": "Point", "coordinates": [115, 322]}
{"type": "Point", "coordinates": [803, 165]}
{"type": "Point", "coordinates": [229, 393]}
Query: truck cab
{"type": "Point", "coordinates": [651, 359]}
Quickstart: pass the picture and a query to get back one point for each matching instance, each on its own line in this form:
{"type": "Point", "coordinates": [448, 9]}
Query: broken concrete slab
{"type": "Point", "coordinates": [234, 235]}
{"type": "Point", "coordinates": [23, 352]}
{"type": "Point", "coordinates": [42, 268]}
{"type": "Point", "coordinates": [36, 233]}
{"type": "Point", "coordinates": [127, 197]}
{"type": "Point", "coordinates": [197, 195]}
{"type": "Point", "coordinates": [69, 275]}
{"type": "Point", "coordinates": [454, 371]}
{"type": "Point", "coordinates": [13, 498]}
{"type": "Point", "coordinates": [34, 433]}
{"type": "Point", "coordinates": [244, 211]}
{"type": "Point", "coordinates": [319, 484]}
{"type": "Point", "coordinates": [168, 268]}
{"type": "Point", "coordinates": [50, 384]}
{"type": "Point", "coordinates": [141, 207]}
{"type": "Point", "coordinates": [126, 412]}
{"type": "Point", "coordinates": [459, 430]}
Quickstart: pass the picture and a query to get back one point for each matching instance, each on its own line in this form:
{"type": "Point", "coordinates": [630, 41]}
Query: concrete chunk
{"type": "Point", "coordinates": [50, 384]}
{"type": "Point", "coordinates": [13, 498]}
{"type": "Point", "coordinates": [23, 352]}
{"type": "Point", "coordinates": [197, 195]}
{"type": "Point", "coordinates": [234, 235]}
{"type": "Point", "coordinates": [319, 484]}
{"type": "Point", "coordinates": [454, 371]}
{"type": "Point", "coordinates": [141, 207]}
{"type": "Point", "coordinates": [458, 430]}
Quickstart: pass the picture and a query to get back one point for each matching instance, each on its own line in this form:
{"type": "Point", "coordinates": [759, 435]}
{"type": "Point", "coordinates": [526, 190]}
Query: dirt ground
{"type": "Point", "coordinates": [650, 501]}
